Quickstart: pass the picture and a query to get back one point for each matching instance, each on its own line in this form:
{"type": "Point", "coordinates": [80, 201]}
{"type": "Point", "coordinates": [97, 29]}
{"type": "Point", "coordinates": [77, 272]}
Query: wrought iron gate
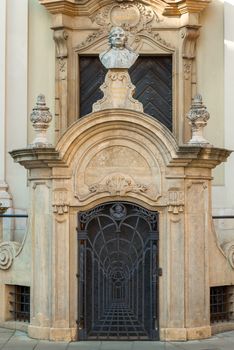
{"type": "Point", "coordinates": [117, 280]}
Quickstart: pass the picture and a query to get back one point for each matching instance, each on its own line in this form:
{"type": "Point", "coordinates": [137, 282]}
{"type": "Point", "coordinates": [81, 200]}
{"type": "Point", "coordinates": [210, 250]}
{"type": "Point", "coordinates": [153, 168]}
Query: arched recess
{"type": "Point", "coordinates": [118, 273]}
{"type": "Point", "coordinates": [119, 153]}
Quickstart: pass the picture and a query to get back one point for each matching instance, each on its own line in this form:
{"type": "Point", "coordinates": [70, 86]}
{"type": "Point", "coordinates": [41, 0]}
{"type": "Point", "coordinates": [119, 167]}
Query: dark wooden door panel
{"type": "Point", "coordinates": [92, 75]}
{"type": "Point", "coordinates": [152, 76]}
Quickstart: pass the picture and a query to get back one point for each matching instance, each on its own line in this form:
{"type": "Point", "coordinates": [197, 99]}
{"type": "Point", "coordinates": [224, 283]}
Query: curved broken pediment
{"type": "Point", "coordinates": [88, 7]}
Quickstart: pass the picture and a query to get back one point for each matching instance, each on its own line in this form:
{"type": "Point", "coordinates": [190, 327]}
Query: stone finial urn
{"type": "Point", "coordinates": [40, 118]}
{"type": "Point", "coordinates": [198, 116]}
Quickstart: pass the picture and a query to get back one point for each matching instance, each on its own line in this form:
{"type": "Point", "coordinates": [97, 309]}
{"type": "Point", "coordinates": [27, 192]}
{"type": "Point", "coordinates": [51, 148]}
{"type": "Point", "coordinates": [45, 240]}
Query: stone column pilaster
{"type": "Point", "coordinates": [41, 259]}
{"type": "Point", "coordinates": [5, 197]}
{"type": "Point", "coordinates": [197, 293]}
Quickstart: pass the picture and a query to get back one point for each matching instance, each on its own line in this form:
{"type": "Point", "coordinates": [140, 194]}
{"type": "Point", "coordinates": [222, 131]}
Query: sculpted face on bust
{"type": "Point", "coordinates": [117, 38]}
{"type": "Point", "coordinates": [118, 55]}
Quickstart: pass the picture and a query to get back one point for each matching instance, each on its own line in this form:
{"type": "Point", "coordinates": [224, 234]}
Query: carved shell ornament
{"type": "Point", "coordinates": [118, 184]}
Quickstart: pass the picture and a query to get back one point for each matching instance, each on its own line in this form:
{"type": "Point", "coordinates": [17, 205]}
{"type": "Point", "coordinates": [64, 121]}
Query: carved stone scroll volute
{"type": "Point", "coordinates": [60, 38]}
{"type": "Point", "coordinates": [189, 36]}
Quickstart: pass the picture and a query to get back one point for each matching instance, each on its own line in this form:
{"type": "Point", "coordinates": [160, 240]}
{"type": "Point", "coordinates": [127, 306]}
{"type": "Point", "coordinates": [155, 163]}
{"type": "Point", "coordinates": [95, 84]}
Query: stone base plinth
{"type": "Point", "coordinates": [198, 333]}
{"type": "Point", "coordinates": [170, 334]}
{"type": "Point", "coordinates": [183, 334]}
{"type": "Point", "coordinates": [55, 334]}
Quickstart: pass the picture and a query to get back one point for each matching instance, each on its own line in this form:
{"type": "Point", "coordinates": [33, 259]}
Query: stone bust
{"type": "Point", "coordinates": [118, 55]}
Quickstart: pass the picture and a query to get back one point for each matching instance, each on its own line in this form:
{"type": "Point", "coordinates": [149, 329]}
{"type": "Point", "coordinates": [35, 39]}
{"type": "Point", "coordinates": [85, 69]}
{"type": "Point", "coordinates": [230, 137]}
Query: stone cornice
{"type": "Point", "coordinates": [180, 7]}
{"type": "Point", "coordinates": [186, 156]}
{"type": "Point", "coordinates": [32, 158]}
{"type": "Point", "coordinates": [169, 8]}
{"type": "Point", "coordinates": [200, 156]}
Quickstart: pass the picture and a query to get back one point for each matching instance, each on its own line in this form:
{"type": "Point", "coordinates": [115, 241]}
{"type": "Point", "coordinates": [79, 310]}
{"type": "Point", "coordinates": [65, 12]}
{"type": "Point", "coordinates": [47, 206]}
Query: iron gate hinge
{"type": "Point", "coordinates": [160, 271]}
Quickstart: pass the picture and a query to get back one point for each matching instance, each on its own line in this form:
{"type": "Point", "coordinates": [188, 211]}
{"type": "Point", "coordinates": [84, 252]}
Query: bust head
{"type": "Point", "coordinates": [118, 55]}
{"type": "Point", "coordinates": [117, 38]}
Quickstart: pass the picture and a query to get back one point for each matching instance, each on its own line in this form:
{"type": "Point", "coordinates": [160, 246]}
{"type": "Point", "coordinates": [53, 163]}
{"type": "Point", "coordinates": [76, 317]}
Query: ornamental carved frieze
{"type": "Point", "coordinates": [135, 18]}
{"type": "Point", "coordinates": [118, 184]}
{"type": "Point", "coordinates": [132, 17]}
{"type": "Point", "coordinates": [105, 171]}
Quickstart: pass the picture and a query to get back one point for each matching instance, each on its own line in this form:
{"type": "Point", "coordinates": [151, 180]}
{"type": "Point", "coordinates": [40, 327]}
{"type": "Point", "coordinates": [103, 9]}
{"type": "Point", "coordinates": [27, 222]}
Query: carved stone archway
{"type": "Point", "coordinates": [174, 181]}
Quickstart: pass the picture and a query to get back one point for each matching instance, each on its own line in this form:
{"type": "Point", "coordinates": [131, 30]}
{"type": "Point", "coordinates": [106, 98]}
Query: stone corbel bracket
{"type": "Point", "coordinates": [189, 35]}
{"type": "Point", "coordinates": [60, 38]}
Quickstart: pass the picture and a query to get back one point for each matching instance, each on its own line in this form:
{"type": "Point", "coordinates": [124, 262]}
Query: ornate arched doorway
{"type": "Point", "coordinates": [118, 269]}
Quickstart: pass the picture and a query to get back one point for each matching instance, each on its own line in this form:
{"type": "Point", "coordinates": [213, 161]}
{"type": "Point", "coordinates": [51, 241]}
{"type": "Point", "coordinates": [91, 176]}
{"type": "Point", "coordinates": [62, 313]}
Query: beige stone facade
{"type": "Point", "coordinates": [118, 153]}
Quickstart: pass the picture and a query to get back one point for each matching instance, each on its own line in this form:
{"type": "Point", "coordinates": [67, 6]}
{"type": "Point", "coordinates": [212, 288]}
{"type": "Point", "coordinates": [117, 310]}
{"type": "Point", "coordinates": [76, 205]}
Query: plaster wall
{"type": "Point", "coordinates": [41, 68]}
{"type": "Point", "coordinates": [2, 86]}
{"type": "Point", "coordinates": [16, 96]}
{"type": "Point", "coordinates": [210, 75]}
{"type": "Point", "coordinates": [223, 195]}
{"type": "Point", "coordinates": [29, 71]}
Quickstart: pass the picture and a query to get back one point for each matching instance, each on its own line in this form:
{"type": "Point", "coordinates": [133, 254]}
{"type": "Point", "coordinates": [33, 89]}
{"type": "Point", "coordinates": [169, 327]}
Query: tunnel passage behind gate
{"type": "Point", "coordinates": [118, 265]}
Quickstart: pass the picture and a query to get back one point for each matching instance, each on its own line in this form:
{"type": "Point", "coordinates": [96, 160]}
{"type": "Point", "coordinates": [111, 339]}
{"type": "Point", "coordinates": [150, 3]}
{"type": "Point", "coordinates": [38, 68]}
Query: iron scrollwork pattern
{"type": "Point", "coordinates": [118, 273]}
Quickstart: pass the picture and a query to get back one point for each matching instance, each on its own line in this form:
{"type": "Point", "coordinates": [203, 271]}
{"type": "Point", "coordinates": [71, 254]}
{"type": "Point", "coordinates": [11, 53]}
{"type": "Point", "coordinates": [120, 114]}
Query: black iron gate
{"type": "Point", "coordinates": [118, 269]}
